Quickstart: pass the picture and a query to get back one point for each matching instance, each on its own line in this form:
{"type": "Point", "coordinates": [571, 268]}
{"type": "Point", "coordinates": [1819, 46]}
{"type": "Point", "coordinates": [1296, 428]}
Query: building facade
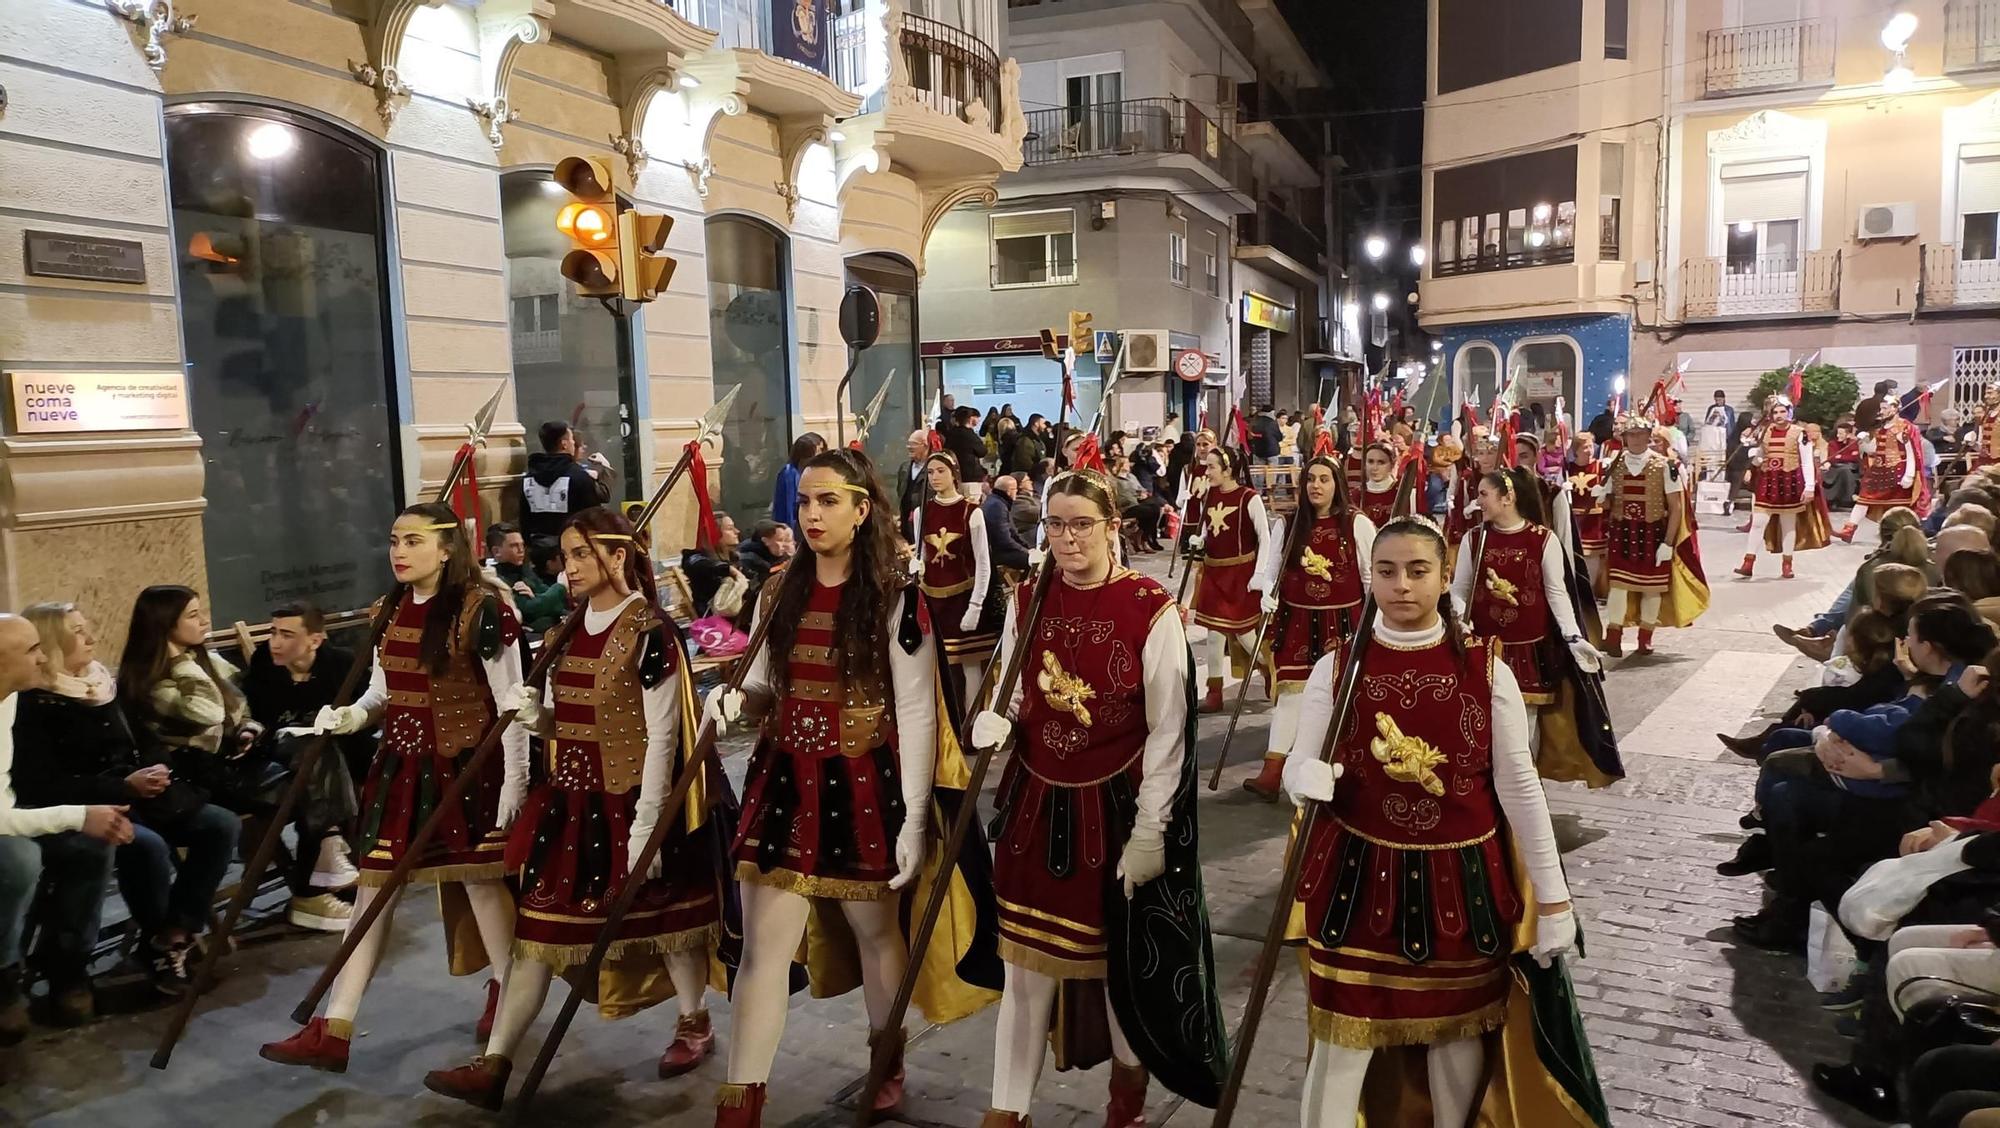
{"type": "Point", "coordinates": [323, 231]}
{"type": "Point", "coordinates": [1806, 175]}
{"type": "Point", "coordinates": [1170, 188]}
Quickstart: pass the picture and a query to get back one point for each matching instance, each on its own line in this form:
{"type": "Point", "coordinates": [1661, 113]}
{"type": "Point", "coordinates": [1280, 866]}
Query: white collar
{"type": "Point", "coordinates": [1385, 633]}
{"type": "Point", "coordinates": [1385, 487]}
{"type": "Point", "coordinates": [1637, 462]}
{"type": "Point", "coordinates": [594, 621]}
{"type": "Point", "coordinates": [1519, 524]}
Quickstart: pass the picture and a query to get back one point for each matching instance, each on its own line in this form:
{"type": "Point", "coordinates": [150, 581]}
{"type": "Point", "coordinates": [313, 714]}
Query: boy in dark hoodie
{"type": "Point", "coordinates": [557, 485]}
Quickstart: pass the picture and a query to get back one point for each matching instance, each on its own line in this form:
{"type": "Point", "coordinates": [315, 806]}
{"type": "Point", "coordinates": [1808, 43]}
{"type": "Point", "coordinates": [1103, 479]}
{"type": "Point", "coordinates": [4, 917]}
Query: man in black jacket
{"type": "Point", "coordinates": [1266, 437]}
{"type": "Point", "coordinates": [1606, 423]}
{"type": "Point", "coordinates": [913, 479]}
{"type": "Point", "coordinates": [963, 441]}
{"type": "Point", "coordinates": [557, 485]}
{"type": "Point", "coordinates": [1002, 538]}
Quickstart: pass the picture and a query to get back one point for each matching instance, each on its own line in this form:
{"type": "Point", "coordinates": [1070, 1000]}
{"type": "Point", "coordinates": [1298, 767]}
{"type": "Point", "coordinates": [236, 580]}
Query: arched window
{"type": "Point", "coordinates": [1550, 368]}
{"type": "Point", "coordinates": [894, 356]}
{"type": "Point", "coordinates": [749, 319]}
{"type": "Point", "coordinates": [1477, 374]}
{"type": "Point", "coordinates": [278, 226]}
{"type": "Point", "coordinates": [570, 363]}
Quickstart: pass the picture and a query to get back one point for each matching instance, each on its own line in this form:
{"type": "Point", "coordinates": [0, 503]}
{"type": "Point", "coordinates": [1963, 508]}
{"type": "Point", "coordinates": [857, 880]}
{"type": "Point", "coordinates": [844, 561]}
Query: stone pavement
{"type": "Point", "coordinates": [1689, 1029]}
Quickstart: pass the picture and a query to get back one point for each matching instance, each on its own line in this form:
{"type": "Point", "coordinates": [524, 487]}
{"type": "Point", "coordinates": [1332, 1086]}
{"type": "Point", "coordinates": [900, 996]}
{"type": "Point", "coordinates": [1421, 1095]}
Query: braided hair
{"type": "Point", "coordinates": [1519, 483]}
{"type": "Point", "coordinates": [1423, 528]}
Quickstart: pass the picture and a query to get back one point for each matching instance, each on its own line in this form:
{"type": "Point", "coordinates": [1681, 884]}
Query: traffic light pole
{"type": "Point", "coordinates": [628, 370]}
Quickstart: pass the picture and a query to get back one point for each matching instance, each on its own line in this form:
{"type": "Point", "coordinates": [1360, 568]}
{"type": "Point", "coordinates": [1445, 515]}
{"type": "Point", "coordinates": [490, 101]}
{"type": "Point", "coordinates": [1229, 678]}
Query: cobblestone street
{"type": "Point", "coordinates": [1689, 1029]}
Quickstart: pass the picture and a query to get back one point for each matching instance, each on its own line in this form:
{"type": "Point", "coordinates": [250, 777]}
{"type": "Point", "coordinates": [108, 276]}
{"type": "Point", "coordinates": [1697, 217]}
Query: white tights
{"type": "Point", "coordinates": [974, 671]}
{"type": "Point", "coordinates": [1218, 653]}
{"type": "Point", "coordinates": [1614, 609]}
{"type": "Point", "coordinates": [1788, 531]}
{"type": "Point", "coordinates": [1335, 1073]}
{"type": "Point", "coordinates": [1866, 529]}
{"type": "Point", "coordinates": [1020, 1043]}
{"type": "Point", "coordinates": [1285, 725]}
{"type": "Point", "coordinates": [492, 909]}
{"type": "Point", "coordinates": [528, 988]}
{"type": "Point", "coordinates": [774, 921]}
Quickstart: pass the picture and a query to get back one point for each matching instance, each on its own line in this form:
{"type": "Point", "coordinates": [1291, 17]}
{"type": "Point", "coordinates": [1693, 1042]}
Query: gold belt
{"type": "Point", "coordinates": [1227, 561]}
{"type": "Point", "coordinates": [946, 592]}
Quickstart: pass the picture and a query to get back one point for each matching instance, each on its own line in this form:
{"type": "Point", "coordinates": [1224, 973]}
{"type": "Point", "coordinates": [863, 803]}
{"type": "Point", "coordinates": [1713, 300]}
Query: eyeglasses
{"type": "Point", "coordinates": [1081, 527]}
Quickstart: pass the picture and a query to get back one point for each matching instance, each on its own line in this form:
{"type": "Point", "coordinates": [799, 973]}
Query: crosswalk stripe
{"type": "Point", "coordinates": [1729, 686]}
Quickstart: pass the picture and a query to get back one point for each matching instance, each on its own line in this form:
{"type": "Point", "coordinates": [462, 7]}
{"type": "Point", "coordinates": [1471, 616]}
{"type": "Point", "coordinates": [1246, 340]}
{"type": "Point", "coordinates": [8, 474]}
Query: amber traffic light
{"type": "Point", "coordinates": [616, 251]}
{"type": "Point", "coordinates": [1080, 336]}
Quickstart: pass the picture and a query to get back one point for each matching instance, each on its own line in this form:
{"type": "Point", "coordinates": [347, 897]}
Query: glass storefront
{"type": "Point", "coordinates": [278, 230]}
{"type": "Point", "coordinates": [893, 357]}
{"type": "Point", "coordinates": [572, 359]}
{"type": "Point", "coordinates": [749, 312]}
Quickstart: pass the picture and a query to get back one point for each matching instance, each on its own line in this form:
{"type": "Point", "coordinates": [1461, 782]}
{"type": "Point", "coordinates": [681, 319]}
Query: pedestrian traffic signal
{"type": "Point", "coordinates": [590, 221]}
{"type": "Point", "coordinates": [642, 237]}
{"type": "Point", "coordinates": [1081, 337]}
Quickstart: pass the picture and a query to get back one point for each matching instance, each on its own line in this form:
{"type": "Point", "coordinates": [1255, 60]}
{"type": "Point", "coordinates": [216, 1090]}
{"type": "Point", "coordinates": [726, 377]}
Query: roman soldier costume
{"type": "Point", "coordinates": [957, 574]}
{"type": "Point", "coordinates": [1788, 488]}
{"type": "Point", "coordinates": [1987, 453]}
{"type": "Point", "coordinates": [1586, 508]}
{"type": "Point", "coordinates": [1227, 598]}
{"type": "Point", "coordinates": [1892, 474]}
{"type": "Point", "coordinates": [1652, 568]}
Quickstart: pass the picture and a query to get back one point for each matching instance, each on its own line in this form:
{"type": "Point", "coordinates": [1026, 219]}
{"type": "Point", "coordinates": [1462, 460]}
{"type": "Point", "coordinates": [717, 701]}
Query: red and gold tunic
{"type": "Point", "coordinates": [1409, 908]}
{"type": "Point", "coordinates": [1379, 505]}
{"type": "Point", "coordinates": [950, 574]}
{"type": "Point", "coordinates": [569, 847]}
{"type": "Point", "coordinates": [1585, 506]}
{"type": "Point", "coordinates": [430, 725]}
{"type": "Point", "coordinates": [823, 798]}
{"type": "Point", "coordinates": [1355, 471]}
{"type": "Point", "coordinates": [1223, 600]}
{"type": "Point", "coordinates": [1988, 451]}
{"type": "Point", "coordinates": [1318, 595]}
{"type": "Point", "coordinates": [1883, 467]}
{"type": "Point", "coordinates": [1510, 604]}
{"type": "Point", "coordinates": [1067, 800]}
{"type": "Point", "coordinates": [1781, 478]}
{"type": "Point", "coordinates": [1464, 492]}
{"type": "Point", "coordinates": [1635, 525]}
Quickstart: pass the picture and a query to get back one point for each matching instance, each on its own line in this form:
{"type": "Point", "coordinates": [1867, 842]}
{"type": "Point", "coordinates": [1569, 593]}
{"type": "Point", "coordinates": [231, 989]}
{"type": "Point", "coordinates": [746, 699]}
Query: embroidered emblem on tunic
{"type": "Point", "coordinates": [1315, 564]}
{"type": "Point", "coordinates": [1063, 690]}
{"type": "Point", "coordinates": [941, 542]}
{"type": "Point", "coordinates": [1218, 518]}
{"type": "Point", "coordinates": [1502, 589]}
{"type": "Point", "coordinates": [1406, 759]}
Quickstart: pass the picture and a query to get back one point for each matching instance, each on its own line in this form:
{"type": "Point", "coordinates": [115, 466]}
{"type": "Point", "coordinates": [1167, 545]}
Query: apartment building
{"type": "Point", "coordinates": [1797, 175]}
{"type": "Point", "coordinates": [1171, 187]}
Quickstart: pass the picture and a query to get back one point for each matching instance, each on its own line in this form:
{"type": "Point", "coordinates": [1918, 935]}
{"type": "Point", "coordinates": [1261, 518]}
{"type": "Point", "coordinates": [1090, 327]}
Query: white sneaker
{"type": "Point", "coordinates": [322, 912]}
{"type": "Point", "coordinates": [333, 870]}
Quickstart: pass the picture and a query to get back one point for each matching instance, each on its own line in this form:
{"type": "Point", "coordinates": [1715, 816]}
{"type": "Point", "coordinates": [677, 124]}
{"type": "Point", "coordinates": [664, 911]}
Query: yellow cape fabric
{"type": "Point", "coordinates": [1686, 596]}
{"type": "Point", "coordinates": [1814, 528]}
{"type": "Point", "coordinates": [1560, 755]}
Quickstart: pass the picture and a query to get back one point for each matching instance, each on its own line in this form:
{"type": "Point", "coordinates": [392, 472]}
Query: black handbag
{"type": "Point", "coordinates": [1967, 1018]}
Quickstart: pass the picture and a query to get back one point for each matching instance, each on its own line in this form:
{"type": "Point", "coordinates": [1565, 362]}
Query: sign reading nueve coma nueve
{"type": "Point", "coordinates": [46, 403]}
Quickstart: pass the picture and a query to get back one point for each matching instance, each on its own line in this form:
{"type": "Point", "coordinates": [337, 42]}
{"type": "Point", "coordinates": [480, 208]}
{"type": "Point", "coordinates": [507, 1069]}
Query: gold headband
{"type": "Point", "coordinates": [609, 536]}
{"type": "Point", "coordinates": [442, 526]}
{"type": "Point", "coordinates": [851, 488]}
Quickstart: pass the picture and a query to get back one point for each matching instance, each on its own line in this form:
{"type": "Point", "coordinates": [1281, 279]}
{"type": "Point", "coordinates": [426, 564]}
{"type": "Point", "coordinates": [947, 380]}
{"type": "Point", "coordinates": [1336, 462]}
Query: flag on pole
{"type": "Point", "coordinates": [1088, 456]}
{"type": "Point", "coordinates": [1795, 387]}
{"type": "Point", "coordinates": [1239, 429]}
{"type": "Point", "coordinates": [1917, 400]}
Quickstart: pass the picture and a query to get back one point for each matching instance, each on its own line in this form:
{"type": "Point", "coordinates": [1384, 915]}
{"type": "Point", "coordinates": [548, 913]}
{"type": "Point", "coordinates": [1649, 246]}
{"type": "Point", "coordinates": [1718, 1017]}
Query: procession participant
{"type": "Point", "coordinates": [1787, 486]}
{"type": "Point", "coordinates": [1482, 456]}
{"type": "Point", "coordinates": [1316, 598]}
{"type": "Point", "coordinates": [612, 719]}
{"type": "Point", "coordinates": [1644, 518]}
{"type": "Point", "coordinates": [448, 656]}
{"type": "Point", "coordinates": [1192, 489]}
{"type": "Point", "coordinates": [1235, 542]}
{"type": "Point", "coordinates": [1438, 788]}
{"type": "Point", "coordinates": [837, 798]}
{"type": "Point", "coordinates": [1378, 495]}
{"type": "Point", "coordinates": [1517, 593]}
{"type": "Point", "coordinates": [1892, 474]}
{"type": "Point", "coordinates": [1097, 833]}
{"type": "Point", "coordinates": [1584, 471]}
{"type": "Point", "coordinates": [954, 567]}
{"type": "Point", "coordinates": [1987, 451]}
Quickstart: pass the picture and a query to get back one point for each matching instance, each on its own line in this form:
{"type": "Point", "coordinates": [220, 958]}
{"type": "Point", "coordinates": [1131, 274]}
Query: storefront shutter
{"type": "Point", "coordinates": [1978, 179]}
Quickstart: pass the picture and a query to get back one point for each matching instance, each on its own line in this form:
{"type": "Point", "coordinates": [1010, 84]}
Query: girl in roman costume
{"type": "Point", "coordinates": [1788, 488]}
{"type": "Point", "coordinates": [1096, 867]}
{"type": "Point", "coordinates": [1235, 542]}
{"type": "Point", "coordinates": [1513, 584]}
{"type": "Point", "coordinates": [448, 655]}
{"type": "Point", "coordinates": [837, 800]}
{"type": "Point", "coordinates": [1482, 456]}
{"type": "Point", "coordinates": [1411, 902]}
{"type": "Point", "coordinates": [1584, 471]}
{"type": "Point", "coordinates": [1646, 524]}
{"type": "Point", "coordinates": [1378, 495]}
{"type": "Point", "coordinates": [1317, 600]}
{"type": "Point", "coordinates": [954, 567]}
{"type": "Point", "coordinates": [612, 719]}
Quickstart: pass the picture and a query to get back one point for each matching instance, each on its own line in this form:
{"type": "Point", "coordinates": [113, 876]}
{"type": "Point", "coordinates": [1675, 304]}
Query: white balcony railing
{"type": "Point", "coordinates": [537, 346]}
{"type": "Point", "coordinates": [1951, 279]}
{"type": "Point", "coordinates": [1790, 282]}
{"type": "Point", "coordinates": [1768, 57]}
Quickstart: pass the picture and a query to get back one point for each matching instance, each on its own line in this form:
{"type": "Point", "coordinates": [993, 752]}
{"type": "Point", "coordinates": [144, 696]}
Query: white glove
{"type": "Point", "coordinates": [1472, 511]}
{"type": "Point", "coordinates": [1309, 779]}
{"type": "Point", "coordinates": [909, 852]}
{"type": "Point", "coordinates": [1195, 542]}
{"type": "Point", "coordinates": [1145, 858]}
{"type": "Point", "coordinates": [1586, 655]}
{"type": "Point", "coordinates": [513, 795]}
{"type": "Point", "coordinates": [340, 720]}
{"type": "Point", "coordinates": [528, 707]}
{"type": "Point", "coordinates": [1036, 556]}
{"type": "Point", "coordinates": [1555, 935]}
{"type": "Point", "coordinates": [1665, 554]}
{"type": "Point", "coordinates": [1268, 604]}
{"type": "Point", "coordinates": [990, 729]}
{"type": "Point", "coordinates": [722, 706]}
{"type": "Point", "coordinates": [970, 620]}
{"type": "Point", "coordinates": [637, 844]}
{"type": "Point", "coordinates": [1601, 490]}
{"type": "Point", "coordinates": [917, 564]}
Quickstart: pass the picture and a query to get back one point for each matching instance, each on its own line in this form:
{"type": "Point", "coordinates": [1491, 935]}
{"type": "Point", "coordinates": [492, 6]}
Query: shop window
{"type": "Point", "coordinates": [1034, 248]}
{"type": "Point", "coordinates": [894, 357]}
{"type": "Point", "coordinates": [749, 308]}
{"type": "Point", "coordinates": [572, 359]}
{"type": "Point", "coordinates": [1548, 371]}
{"type": "Point", "coordinates": [1177, 251]}
{"type": "Point", "coordinates": [279, 235]}
{"type": "Point", "coordinates": [1478, 374]}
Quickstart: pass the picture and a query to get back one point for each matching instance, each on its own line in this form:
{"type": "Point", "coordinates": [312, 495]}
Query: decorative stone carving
{"type": "Point", "coordinates": [1766, 127]}
{"type": "Point", "coordinates": [495, 113]}
{"type": "Point", "coordinates": [384, 37]}
{"type": "Point", "coordinates": [158, 20]}
{"type": "Point", "coordinates": [941, 198]}
{"type": "Point", "coordinates": [628, 146]}
{"type": "Point", "coordinates": [699, 172]}
{"type": "Point", "coordinates": [390, 89]}
{"type": "Point", "coordinates": [789, 192]}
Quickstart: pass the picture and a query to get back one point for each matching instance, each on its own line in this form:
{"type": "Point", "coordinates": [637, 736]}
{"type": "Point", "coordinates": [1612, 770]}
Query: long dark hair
{"type": "Point", "coordinates": [948, 460]}
{"type": "Point", "coordinates": [1947, 621]}
{"type": "Point", "coordinates": [1982, 711]}
{"type": "Point", "coordinates": [609, 531]}
{"type": "Point", "coordinates": [460, 576]}
{"type": "Point", "coordinates": [1300, 533]}
{"type": "Point", "coordinates": [147, 657]}
{"type": "Point", "coordinates": [805, 446]}
{"type": "Point", "coordinates": [861, 626]}
{"type": "Point", "coordinates": [1523, 486]}
{"type": "Point", "coordinates": [1426, 530]}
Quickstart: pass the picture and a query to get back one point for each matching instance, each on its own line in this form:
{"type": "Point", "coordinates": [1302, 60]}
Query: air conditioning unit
{"type": "Point", "coordinates": [1886, 221]}
{"type": "Point", "coordinates": [1225, 92]}
{"type": "Point", "coordinates": [1146, 350]}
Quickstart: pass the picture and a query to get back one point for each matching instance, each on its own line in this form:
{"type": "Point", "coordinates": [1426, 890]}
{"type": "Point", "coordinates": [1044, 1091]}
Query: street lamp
{"type": "Point", "coordinates": [1375, 246]}
{"type": "Point", "coordinates": [1899, 77]}
{"type": "Point", "coordinates": [1381, 302]}
{"type": "Point", "coordinates": [1896, 33]}
{"type": "Point", "coordinates": [1417, 255]}
{"type": "Point", "coordinates": [1437, 346]}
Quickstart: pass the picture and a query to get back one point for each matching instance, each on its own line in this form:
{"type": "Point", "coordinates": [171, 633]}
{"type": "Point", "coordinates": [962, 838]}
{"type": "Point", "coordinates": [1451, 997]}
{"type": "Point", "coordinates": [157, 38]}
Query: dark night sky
{"type": "Point", "coordinates": [1373, 54]}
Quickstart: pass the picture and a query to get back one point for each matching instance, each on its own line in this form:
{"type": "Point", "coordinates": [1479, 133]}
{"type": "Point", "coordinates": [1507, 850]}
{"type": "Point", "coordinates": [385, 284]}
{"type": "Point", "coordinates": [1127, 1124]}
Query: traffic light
{"type": "Point", "coordinates": [642, 237]}
{"type": "Point", "coordinates": [590, 220]}
{"type": "Point", "coordinates": [1081, 337]}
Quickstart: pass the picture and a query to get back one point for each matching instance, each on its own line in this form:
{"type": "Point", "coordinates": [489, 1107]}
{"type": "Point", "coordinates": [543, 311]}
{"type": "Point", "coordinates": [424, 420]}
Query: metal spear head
{"type": "Point", "coordinates": [864, 420]}
{"type": "Point", "coordinates": [482, 421]}
{"type": "Point", "coordinates": [710, 424]}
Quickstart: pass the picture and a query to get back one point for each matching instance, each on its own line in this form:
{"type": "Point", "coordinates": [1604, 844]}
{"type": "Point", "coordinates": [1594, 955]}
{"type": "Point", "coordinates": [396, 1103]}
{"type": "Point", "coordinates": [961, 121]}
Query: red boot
{"type": "Point", "coordinates": [1744, 527]}
{"type": "Point", "coordinates": [694, 1041]}
{"type": "Point", "coordinates": [1213, 702]}
{"type": "Point", "coordinates": [1128, 1097]}
{"type": "Point", "coordinates": [1845, 534]}
{"type": "Point", "coordinates": [312, 1046]}
{"type": "Point", "coordinates": [1269, 781]}
{"type": "Point", "coordinates": [739, 1106]}
{"type": "Point", "coordinates": [481, 1084]}
{"type": "Point", "coordinates": [1645, 641]}
{"type": "Point", "coordinates": [1614, 641]}
{"type": "Point", "coordinates": [889, 1097]}
{"type": "Point", "coordinates": [485, 1027]}
{"type": "Point", "coordinates": [994, 1118]}
{"type": "Point", "coordinates": [1787, 573]}
{"type": "Point", "coordinates": [1749, 565]}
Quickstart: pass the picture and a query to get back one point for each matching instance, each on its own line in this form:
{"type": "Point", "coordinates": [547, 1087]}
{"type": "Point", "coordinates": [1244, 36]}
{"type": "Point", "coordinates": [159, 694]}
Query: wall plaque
{"type": "Point", "coordinates": [48, 403]}
{"type": "Point", "coordinates": [52, 254]}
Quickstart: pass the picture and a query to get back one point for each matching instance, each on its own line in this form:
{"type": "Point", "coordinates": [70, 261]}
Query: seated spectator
{"type": "Point", "coordinates": [291, 678]}
{"type": "Point", "coordinates": [1974, 514]}
{"type": "Point", "coordinates": [508, 550]}
{"type": "Point", "coordinates": [707, 569]}
{"type": "Point", "coordinates": [1959, 538]}
{"type": "Point", "coordinates": [1817, 639]}
{"type": "Point", "coordinates": [1003, 542]}
{"type": "Point", "coordinates": [541, 612]}
{"type": "Point", "coordinates": [770, 546]}
{"type": "Point", "coordinates": [1870, 659]}
{"type": "Point", "coordinates": [1136, 504]}
{"type": "Point", "coordinates": [1027, 513]}
{"type": "Point", "coordinates": [1894, 590]}
{"type": "Point", "coordinates": [1976, 576]}
{"type": "Point", "coordinates": [66, 849]}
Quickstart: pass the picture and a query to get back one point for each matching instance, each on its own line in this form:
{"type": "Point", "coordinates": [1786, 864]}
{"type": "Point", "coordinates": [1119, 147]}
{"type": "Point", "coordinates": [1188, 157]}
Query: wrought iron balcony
{"type": "Point", "coordinates": [1269, 227]}
{"type": "Point", "coordinates": [1767, 285]}
{"type": "Point", "coordinates": [1135, 127]}
{"type": "Point", "coordinates": [1768, 57]}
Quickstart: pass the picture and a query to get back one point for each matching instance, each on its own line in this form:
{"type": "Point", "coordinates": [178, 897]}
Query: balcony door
{"type": "Point", "coordinates": [1976, 271]}
{"type": "Point", "coordinates": [1763, 210]}
{"type": "Point", "coordinates": [1093, 97]}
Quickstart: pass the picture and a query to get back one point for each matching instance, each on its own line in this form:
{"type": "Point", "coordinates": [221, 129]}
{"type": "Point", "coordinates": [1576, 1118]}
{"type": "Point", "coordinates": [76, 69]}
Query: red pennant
{"type": "Point", "coordinates": [1088, 456]}
{"type": "Point", "coordinates": [1239, 428]}
{"type": "Point", "coordinates": [465, 495]}
{"type": "Point", "coordinates": [1323, 444]}
{"type": "Point", "coordinates": [934, 440]}
{"type": "Point", "coordinates": [706, 533]}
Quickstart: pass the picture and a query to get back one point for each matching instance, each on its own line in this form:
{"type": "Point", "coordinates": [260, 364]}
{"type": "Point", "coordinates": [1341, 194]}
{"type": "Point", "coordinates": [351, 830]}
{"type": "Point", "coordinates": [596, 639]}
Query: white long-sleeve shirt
{"type": "Point", "coordinates": [1270, 566]}
{"type": "Point", "coordinates": [27, 822]}
{"type": "Point", "coordinates": [982, 552]}
{"type": "Point", "coordinates": [1808, 457]}
{"type": "Point", "coordinates": [1555, 591]}
{"type": "Point", "coordinates": [503, 681]}
{"type": "Point", "coordinates": [1515, 781]}
{"type": "Point", "coordinates": [1267, 545]}
{"type": "Point", "coordinates": [1163, 664]}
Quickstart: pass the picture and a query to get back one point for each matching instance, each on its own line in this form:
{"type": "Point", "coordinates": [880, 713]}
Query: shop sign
{"type": "Point", "coordinates": [51, 403]}
{"type": "Point", "coordinates": [52, 254]}
{"type": "Point", "coordinates": [798, 32]}
{"type": "Point", "coordinates": [991, 346]}
{"type": "Point", "coordinates": [1266, 313]}
{"type": "Point", "coordinates": [1002, 380]}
